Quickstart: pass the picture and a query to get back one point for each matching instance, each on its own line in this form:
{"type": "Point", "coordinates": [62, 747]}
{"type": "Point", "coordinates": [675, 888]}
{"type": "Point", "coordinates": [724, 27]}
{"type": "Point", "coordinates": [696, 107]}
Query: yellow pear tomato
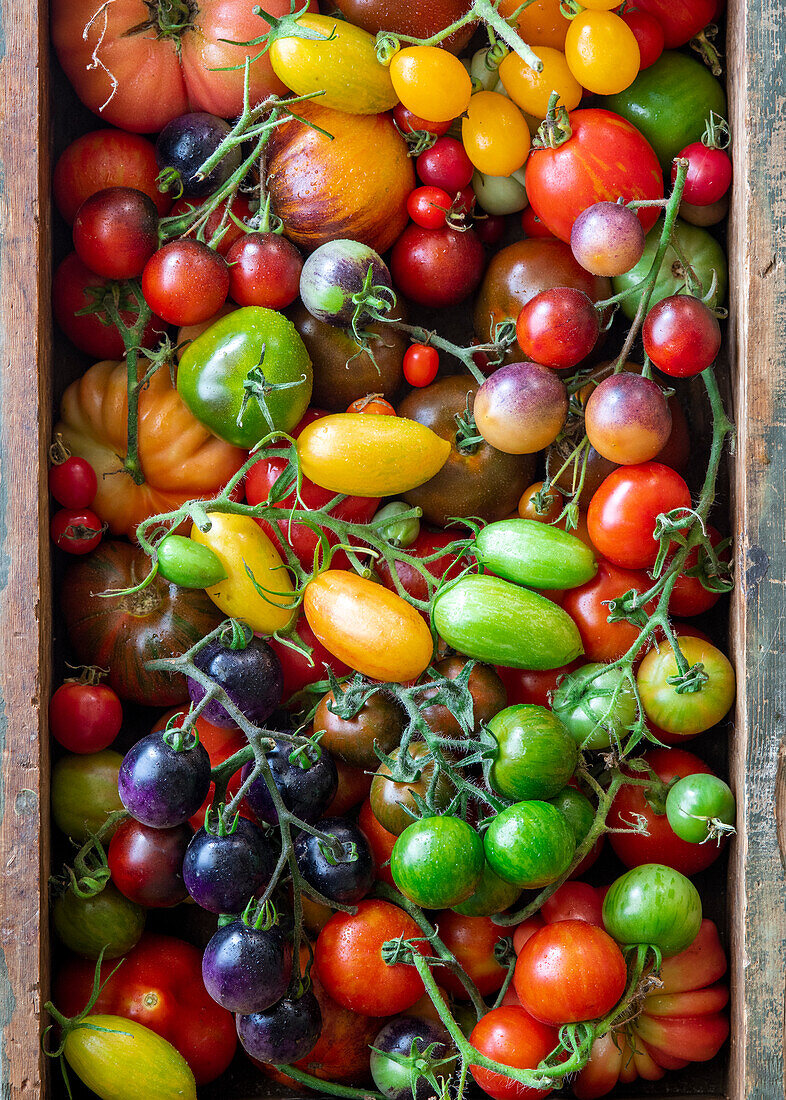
{"type": "Point", "coordinates": [602, 52]}
{"type": "Point", "coordinates": [431, 82]}
{"type": "Point", "coordinates": [531, 90]}
{"type": "Point", "coordinates": [495, 134]}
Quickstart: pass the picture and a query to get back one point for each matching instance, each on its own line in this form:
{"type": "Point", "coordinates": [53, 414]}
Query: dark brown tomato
{"type": "Point", "coordinates": [522, 270]}
{"type": "Point", "coordinates": [388, 798]}
{"type": "Point", "coordinates": [380, 721]}
{"type": "Point", "coordinates": [478, 481]}
{"type": "Point", "coordinates": [343, 372]}
{"type": "Point", "coordinates": [486, 688]}
{"type": "Point", "coordinates": [418, 18]}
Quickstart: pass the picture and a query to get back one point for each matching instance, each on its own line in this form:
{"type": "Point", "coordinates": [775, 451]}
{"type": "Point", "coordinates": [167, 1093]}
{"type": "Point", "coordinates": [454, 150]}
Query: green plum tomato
{"type": "Point", "coordinates": [534, 554]}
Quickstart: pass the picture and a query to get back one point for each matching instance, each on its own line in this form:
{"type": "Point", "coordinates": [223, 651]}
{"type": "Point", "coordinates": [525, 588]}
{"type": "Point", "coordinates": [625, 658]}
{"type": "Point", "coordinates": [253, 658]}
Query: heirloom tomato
{"type": "Point", "coordinates": [492, 895]}
{"type": "Point", "coordinates": [85, 717]}
{"type": "Point", "coordinates": [699, 806]}
{"type": "Point", "coordinates": [587, 606]}
{"type": "Point", "coordinates": [431, 81]}
{"type": "Point", "coordinates": [417, 18]}
{"type": "Point", "coordinates": [147, 864]}
{"type": "Point", "coordinates": [138, 72]}
{"type": "Point", "coordinates": [511, 1036]}
{"type": "Point", "coordinates": [239, 207]}
{"type": "Point", "coordinates": [380, 721]}
{"type": "Point", "coordinates": [116, 232]}
{"type": "Point", "coordinates": [681, 19]}
{"type": "Point", "coordinates": [534, 754]}
{"type": "Point", "coordinates": [535, 554]}
{"type": "Point", "coordinates": [540, 23]}
{"type": "Point", "coordinates": [495, 134]}
{"type": "Point", "coordinates": [437, 267]}
{"type": "Point", "coordinates": [179, 459]}
{"type": "Point", "coordinates": [393, 804]}
{"type": "Point", "coordinates": [427, 544]}
{"type": "Point", "coordinates": [84, 792]}
{"type": "Point", "coordinates": [648, 33]}
{"type": "Point", "coordinates": [653, 904]}
{"type": "Point", "coordinates": [472, 941]}
{"type": "Point", "coordinates": [371, 629]}
{"type": "Point", "coordinates": [159, 986]}
{"type": "Point", "coordinates": [106, 158]}
{"type": "Point", "coordinates": [530, 844]}
{"type": "Point", "coordinates": [380, 841]}
{"type": "Point", "coordinates": [597, 705]}
{"type": "Point", "coordinates": [188, 564]}
{"type": "Point", "coordinates": [107, 922]}
{"type": "Point", "coordinates": [186, 282]}
{"type": "Point", "coordinates": [686, 712]}
{"type": "Point", "coordinates": [604, 158]}
{"type": "Point", "coordinates": [437, 861]}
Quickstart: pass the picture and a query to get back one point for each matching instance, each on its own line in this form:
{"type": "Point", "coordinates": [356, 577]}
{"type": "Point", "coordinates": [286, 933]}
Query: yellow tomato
{"type": "Point", "coordinates": [602, 52]}
{"type": "Point", "coordinates": [431, 83]}
{"type": "Point", "coordinates": [540, 24]}
{"type": "Point", "coordinates": [370, 455]}
{"type": "Point", "coordinates": [239, 542]}
{"type": "Point", "coordinates": [343, 66]}
{"type": "Point", "coordinates": [367, 627]}
{"type": "Point", "coordinates": [599, 5]}
{"type": "Point", "coordinates": [495, 135]}
{"type": "Point", "coordinates": [531, 90]}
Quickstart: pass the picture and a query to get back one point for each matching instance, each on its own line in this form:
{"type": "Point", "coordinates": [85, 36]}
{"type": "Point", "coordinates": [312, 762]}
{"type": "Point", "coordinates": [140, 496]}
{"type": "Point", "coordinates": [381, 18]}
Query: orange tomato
{"type": "Point", "coordinates": [540, 24]}
{"type": "Point", "coordinates": [602, 52]}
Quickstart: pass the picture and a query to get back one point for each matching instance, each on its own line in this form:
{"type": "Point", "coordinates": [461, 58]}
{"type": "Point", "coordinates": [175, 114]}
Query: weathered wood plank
{"type": "Point", "coordinates": [25, 616]}
{"type": "Point", "coordinates": [756, 58]}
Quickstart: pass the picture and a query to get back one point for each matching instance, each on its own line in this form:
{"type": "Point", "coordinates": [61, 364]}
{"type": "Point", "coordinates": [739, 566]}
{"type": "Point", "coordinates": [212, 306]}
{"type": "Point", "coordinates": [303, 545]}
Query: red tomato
{"type": "Point", "coordinates": [523, 931]}
{"type": "Point", "coordinates": [159, 986]}
{"type": "Point", "coordinates": [574, 901]}
{"type": "Point", "coordinates": [73, 483]}
{"type": "Point", "coordinates": [143, 79]}
{"type": "Point", "coordinates": [429, 206]}
{"type": "Point", "coordinates": [709, 174]}
{"type": "Point", "coordinates": [300, 671]}
{"type": "Point", "coordinates": [605, 158]}
{"type": "Point", "coordinates": [353, 786]}
{"type": "Point", "coordinates": [587, 606]}
{"type": "Point", "coordinates": [412, 124]}
{"type": "Point", "coordinates": [116, 232]}
{"type": "Point", "coordinates": [681, 19]}
{"type": "Point", "coordinates": [380, 840]}
{"type": "Point", "coordinates": [350, 964]}
{"type": "Point", "coordinates": [264, 270]}
{"type": "Point", "coordinates": [662, 845]}
{"type": "Point", "coordinates": [106, 158]}
{"type": "Point", "coordinates": [437, 267]}
{"type": "Point", "coordinates": [427, 543]}
{"type": "Point", "coordinates": [445, 165]}
{"type": "Point", "coordinates": [185, 282]}
{"type": "Point", "coordinates": [147, 864]}
{"type": "Point", "coordinates": [569, 972]}
{"type": "Point", "coordinates": [532, 225]}
{"type": "Point", "coordinates": [622, 513]}
{"type": "Point", "coordinates": [240, 207]}
{"type": "Point", "coordinates": [77, 531]}
{"type": "Point", "coordinates": [512, 1037]}
{"type": "Point", "coordinates": [648, 34]}
{"type": "Point", "coordinates": [472, 940]}
{"type": "Point", "coordinates": [421, 364]}
{"type": "Point", "coordinates": [85, 717]}
{"type": "Point", "coordinates": [689, 596]}
{"type": "Point", "coordinates": [524, 686]}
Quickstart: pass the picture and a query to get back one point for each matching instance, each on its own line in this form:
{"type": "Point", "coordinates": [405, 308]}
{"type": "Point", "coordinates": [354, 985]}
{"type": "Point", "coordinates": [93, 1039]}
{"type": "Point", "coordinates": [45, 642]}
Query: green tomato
{"type": "Point", "coordinates": [500, 194]}
{"type": "Point", "coordinates": [396, 531]}
{"type": "Point", "coordinates": [535, 755]}
{"type": "Point", "coordinates": [437, 862]}
{"type": "Point", "coordinates": [670, 102]}
{"type": "Point", "coordinates": [589, 709]}
{"type": "Point", "coordinates": [502, 624]}
{"type": "Point", "coordinates": [530, 844]}
{"type": "Point", "coordinates": [84, 792]}
{"type": "Point", "coordinates": [653, 904]}
{"type": "Point", "coordinates": [188, 564]}
{"type": "Point", "coordinates": [535, 554]}
{"type": "Point", "coordinates": [705, 254]}
{"type": "Point", "coordinates": [697, 805]}
{"type": "Point", "coordinates": [109, 920]}
{"type": "Point", "coordinates": [577, 810]}
{"type": "Point", "coordinates": [492, 895]}
{"type": "Point", "coordinates": [251, 355]}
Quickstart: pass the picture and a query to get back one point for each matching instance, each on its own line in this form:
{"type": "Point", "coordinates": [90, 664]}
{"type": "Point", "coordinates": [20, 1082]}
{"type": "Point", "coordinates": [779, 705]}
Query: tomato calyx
{"type": "Point", "coordinates": [717, 134]}
{"type": "Point", "coordinates": [68, 1024]}
{"type": "Point", "coordinates": [468, 438]}
{"type": "Point", "coordinates": [555, 129]}
{"type": "Point", "coordinates": [168, 18]}
{"type": "Point", "coordinates": [704, 46]}
{"type": "Point", "coordinates": [283, 26]}
{"type": "Point", "coordinates": [257, 387]}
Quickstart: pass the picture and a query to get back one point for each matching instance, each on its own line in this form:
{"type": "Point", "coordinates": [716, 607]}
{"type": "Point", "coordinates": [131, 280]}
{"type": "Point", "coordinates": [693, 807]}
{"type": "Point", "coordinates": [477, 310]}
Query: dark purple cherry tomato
{"type": "Point", "coordinates": [264, 270]}
{"type": "Point", "coordinates": [184, 145]}
{"type": "Point", "coordinates": [225, 867]}
{"type": "Point", "coordinates": [306, 783]}
{"type": "Point", "coordinates": [344, 873]}
{"type": "Point", "coordinates": [246, 969]}
{"type": "Point", "coordinates": [251, 677]}
{"type": "Point", "coordinates": [116, 232]}
{"type": "Point", "coordinates": [681, 336]}
{"type": "Point", "coordinates": [164, 778]}
{"type": "Point", "coordinates": [284, 1033]}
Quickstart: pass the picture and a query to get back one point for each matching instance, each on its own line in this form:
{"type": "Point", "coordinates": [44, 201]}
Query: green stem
{"type": "Point", "coordinates": [328, 1087]}
{"type": "Point", "coordinates": [491, 17]}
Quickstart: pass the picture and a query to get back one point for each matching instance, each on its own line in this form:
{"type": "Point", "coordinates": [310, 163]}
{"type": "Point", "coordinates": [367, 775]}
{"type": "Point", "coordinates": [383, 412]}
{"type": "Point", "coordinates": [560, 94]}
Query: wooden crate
{"type": "Point", "coordinates": [756, 338]}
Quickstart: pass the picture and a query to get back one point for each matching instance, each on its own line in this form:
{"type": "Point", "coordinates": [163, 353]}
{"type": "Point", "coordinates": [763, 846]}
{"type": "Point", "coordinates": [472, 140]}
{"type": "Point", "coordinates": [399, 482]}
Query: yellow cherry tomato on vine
{"type": "Point", "coordinates": [495, 134]}
{"type": "Point", "coordinates": [602, 52]}
{"type": "Point", "coordinates": [531, 90]}
{"type": "Point", "coordinates": [431, 83]}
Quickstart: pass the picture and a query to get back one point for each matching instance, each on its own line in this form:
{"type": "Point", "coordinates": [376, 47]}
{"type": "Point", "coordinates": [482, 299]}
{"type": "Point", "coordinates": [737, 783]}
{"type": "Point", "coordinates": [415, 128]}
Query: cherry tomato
{"type": "Point", "coordinates": [264, 270]}
{"type": "Point", "coordinates": [429, 206]}
{"type": "Point", "coordinates": [681, 336]}
{"type": "Point", "coordinates": [689, 596]}
{"type": "Point", "coordinates": [421, 364]}
{"type": "Point", "coordinates": [686, 712]}
{"type": "Point", "coordinates": [697, 805]}
{"type": "Point", "coordinates": [602, 52]}
{"type": "Point", "coordinates": [558, 328]}
{"type": "Point", "coordinates": [574, 901]}
{"type": "Point", "coordinates": [85, 717]}
{"type": "Point", "coordinates": [495, 134]}
{"type": "Point", "coordinates": [490, 229]}
{"type": "Point", "coordinates": [588, 607]}
{"type": "Point", "coordinates": [116, 232]}
{"type": "Point", "coordinates": [472, 940]}
{"type": "Point", "coordinates": [185, 282]}
{"type": "Point", "coordinates": [73, 483]}
{"type": "Point", "coordinates": [437, 267]}
{"type": "Point", "coordinates": [77, 531]}
{"type": "Point", "coordinates": [445, 165]}
{"type": "Point", "coordinates": [147, 864]}
{"type": "Point", "coordinates": [533, 226]}
{"type": "Point", "coordinates": [622, 513]}
{"type": "Point", "coordinates": [511, 1036]}
{"type": "Point", "coordinates": [709, 174]}
{"type": "Point", "coordinates": [431, 81]}
{"type": "Point", "coordinates": [413, 124]}
{"type": "Point", "coordinates": [648, 34]}
{"type": "Point", "coordinates": [373, 403]}
{"type": "Point", "coordinates": [523, 686]}
{"type": "Point", "coordinates": [380, 841]}
{"type": "Point", "coordinates": [531, 90]}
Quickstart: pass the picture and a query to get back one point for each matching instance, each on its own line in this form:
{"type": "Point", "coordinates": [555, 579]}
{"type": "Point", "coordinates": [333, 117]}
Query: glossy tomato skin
{"type": "Point", "coordinates": [649, 35]}
{"type": "Point", "coordinates": [264, 270]}
{"type": "Point", "coordinates": [106, 158]}
{"type": "Point", "coordinates": [159, 986]}
{"type": "Point", "coordinates": [437, 861]}
{"type": "Point", "coordinates": [472, 940]}
{"type": "Point", "coordinates": [709, 174]}
{"type": "Point", "coordinates": [116, 232]}
{"type": "Point", "coordinates": [534, 753]}
{"type": "Point", "coordinates": [511, 1036]}
{"type": "Point", "coordinates": [689, 596]}
{"type": "Point", "coordinates": [686, 713]}
{"type": "Point", "coordinates": [107, 922]}
{"type": "Point", "coordinates": [350, 965]}
{"type": "Point", "coordinates": [563, 182]}
{"type": "Point", "coordinates": [391, 800]}
{"type": "Point", "coordinates": [653, 904]}
{"type": "Point", "coordinates": [530, 844]}
{"type": "Point", "coordinates": [420, 19]}
{"type": "Point", "coordinates": [85, 717]}
{"type": "Point", "coordinates": [185, 282]}
{"type": "Point", "coordinates": [681, 19]}
{"type": "Point", "coordinates": [602, 640]}
{"type": "Point", "coordinates": [380, 841]}
{"type": "Point", "coordinates": [147, 864]}
{"type": "Point", "coordinates": [379, 722]}
{"type": "Point", "coordinates": [622, 513]}
{"type": "Point", "coordinates": [84, 792]}
{"type": "Point", "coordinates": [524, 686]}
{"type": "Point", "coordinates": [437, 267]}
{"type": "Point", "coordinates": [574, 901]}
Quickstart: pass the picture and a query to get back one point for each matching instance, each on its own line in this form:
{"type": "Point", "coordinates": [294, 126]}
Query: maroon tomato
{"type": "Point", "coordinates": [491, 228]}
{"type": "Point", "coordinates": [417, 18]}
{"type": "Point", "coordinates": [380, 841]}
{"type": "Point", "coordinates": [73, 483]}
{"type": "Point", "coordinates": [648, 34]}
{"type": "Point", "coordinates": [230, 231]}
{"type": "Point", "coordinates": [574, 901]}
{"type": "Point", "coordinates": [511, 1036]}
{"type": "Point", "coordinates": [85, 717]}
{"type": "Point", "coordinates": [116, 232]}
{"type": "Point", "coordinates": [76, 530]}
{"type": "Point", "coordinates": [147, 864]}
{"type": "Point", "coordinates": [533, 226]}
{"type": "Point", "coordinates": [159, 986]}
{"type": "Point", "coordinates": [354, 785]}
{"type": "Point", "coordinates": [428, 206]}
{"type": "Point", "coordinates": [623, 511]}
{"type": "Point", "coordinates": [437, 267]}
{"type": "Point", "coordinates": [445, 165]}
{"type": "Point", "coordinates": [681, 336]}
{"type": "Point", "coordinates": [709, 174]}
{"type": "Point", "coordinates": [300, 670]}
{"type": "Point", "coordinates": [558, 328]}
{"type": "Point", "coordinates": [185, 282]}
{"type": "Point", "coordinates": [588, 607]}
{"type": "Point", "coordinates": [421, 364]}
{"type": "Point", "coordinates": [264, 270]}
{"type": "Point", "coordinates": [472, 941]}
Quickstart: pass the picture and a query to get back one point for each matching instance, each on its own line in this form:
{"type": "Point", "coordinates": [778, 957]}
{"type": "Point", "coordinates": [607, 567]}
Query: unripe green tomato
{"type": "Point", "coordinates": [588, 707]}
{"type": "Point", "coordinates": [500, 194]}
{"type": "Point", "coordinates": [492, 895]}
{"type": "Point", "coordinates": [84, 792]}
{"type": "Point", "coordinates": [530, 844]}
{"type": "Point", "coordinates": [696, 804]}
{"type": "Point", "coordinates": [437, 862]}
{"type": "Point", "coordinates": [653, 904]}
{"type": "Point", "coordinates": [479, 69]}
{"type": "Point", "coordinates": [398, 532]}
{"type": "Point", "coordinates": [535, 755]}
{"type": "Point", "coordinates": [184, 562]}
{"type": "Point", "coordinates": [577, 810]}
{"type": "Point", "coordinates": [108, 920]}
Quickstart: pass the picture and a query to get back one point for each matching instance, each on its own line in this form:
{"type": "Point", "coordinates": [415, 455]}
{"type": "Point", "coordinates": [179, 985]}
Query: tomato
{"type": "Point", "coordinates": [349, 960]}
{"type": "Point", "coordinates": [437, 861]}
{"type": "Point", "coordinates": [239, 207]}
{"type": "Point", "coordinates": [242, 547]}
{"type": "Point", "coordinates": [605, 158]}
{"type": "Point", "coordinates": [180, 460]}
{"type": "Point", "coordinates": [147, 864]}
{"type": "Point", "coordinates": [393, 804]}
{"type": "Point", "coordinates": [417, 18]}
{"type": "Point", "coordinates": [587, 606]}
{"type": "Point", "coordinates": [709, 173]}
{"type": "Point", "coordinates": [602, 52]}
{"type": "Point", "coordinates": [120, 1059]}
{"type": "Point", "coordinates": [499, 623]}
{"type": "Point", "coordinates": [370, 455]}
{"type": "Point", "coordinates": [511, 1036]}
{"type": "Point", "coordinates": [84, 792]}
{"type": "Point", "coordinates": [492, 895]}
{"type": "Point", "coordinates": [697, 805]}
{"type": "Point", "coordinates": [76, 531]}
{"type": "Point", "coordinates": [495, 134]}
{"type": "Point", "coordinates": [670, 103]}
{"type": "Point", "coordinates": [146, 74]}
{"type": "Point", "coordinates": [187, 564]}
{"type": "Point", "coordinates": [430, 81]}
{"type": "Point", "coordinates": [529, 844]}
{"type": "Point", "coordinates": [622, 514]}
{"type": "Point", "coordinates": [379, 722]}
{"type": "Point", "coordinates": [534, 754]}
{"type": "Point", "coordinates": [687, 712]}
{"type": "Point", "coordinates": [540, 24]}
{"type": "Point", "coordinates": [531, 90]}
{"type": "Point", "coordinates": [105, 158]}
{"type": "Point", "coordinates": [437, 267]}
{"type": "Point", "coordinates": [569, 972]}
{"type": "Point", "coordinates": [264, 270]}
{"type": "Point", "coordinates": [105, 922]}
{"type": "Point", "coordinates": [429, 206]}
{"type": "Point", "coordinates": [354, 785]}
{"type": "Point", "coordinates": [298, 669]}
{"type": "Point", "coordinates": [681, 336]}
{"type": "Point", "coordinates": [371, 629]}
{"type": "Point", "coordinates": [116, 232]}
{"type": "Point", "coordinates": [372, 403]}
{"type": "Point", "coordinates": [533, 226]}
{"type": "Point", "coordinates": [649, 36]}
{"type": "Point", "coordinates": [85, 717]}
{"type": "Point", "coordinates": [535, 554]}
{"type": "Point", "coordinates": [421, 364]}
{"type": "Point", "coordinates": [689, 596]}
{"type": "Point", "coordinates": [472, 941]}
{"type": "Point", "coordinates": [380, 841]}
{"type": "Point", "coordinates": [413, 124]}
{"type": "Point", "coordinates": [525, 686]}
{"type": "Point", "coordinates": [425, 545]}
{"type": "Point", "coordinates": [477, 479]}
{"type": "Point", "coordinates": [123, 633]}
{"type": "Point", "coordinates": [653, 904]}
{"type": "Point", "coordinates": [574, 901]}
{"type": "Point", "coordinates": [445, 165]}
{"type": "Point", "coordinates": [337, 60]}
{"type": "Point", "coordinates": [598, 707]}
{"type": "Point", "coordinates": [353, 187]}
{"type": "Point", "coordinates": [159, 986]}
{"type": "Point", "coordinates": [681, 19]}
{"type": "Point", "coordinates": [73, 482]}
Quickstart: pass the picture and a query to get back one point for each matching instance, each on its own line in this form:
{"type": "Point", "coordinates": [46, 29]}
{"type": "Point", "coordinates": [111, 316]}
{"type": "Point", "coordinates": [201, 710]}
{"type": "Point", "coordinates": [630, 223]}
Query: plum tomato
{"type": "Point", "coordinates": [627, 419]}
{"type": "Point", "coordinates": [264, 270]}
{"type": "Point", "coordinates": [437, 267]}
{"type": "Point", "coordinates": [116, 232]}
{"type": "Point", "coordinates": [429, 80]}
{"type": "Point", "coordinates": [653, 904]}
{"type": "Point", "coordinates": [681, 336]}
{"type": "Point", "coordinates": [76, 530]}
{"type": "Point", "coordinates": [437, 861]}
{"type": "Point", "coordinates": [185, 282]}
{"type": "Point", "coordinates": [73, 482]}
{"type": "Point", "coordinates": [421, 364]}
{"type": "Point", "coordinates": [510, 1036]}
{"type": "Point", "coordinates": [686, 712]}
{"type": "Point", "coordinates": [85, 717]}
{"type": "Point", "coordinates": [602, 51]}
{"type": "Point", "coordinates": [607, 239]}
{"type": "Point", "coordinates": [445, 165]}
{"type": "Point", "coordinates": [495, 134]}
{"type": "Point", "coordinates": [558, 328]}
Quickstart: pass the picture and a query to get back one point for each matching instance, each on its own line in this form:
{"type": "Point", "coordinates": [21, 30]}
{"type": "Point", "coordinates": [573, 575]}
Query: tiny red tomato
{"type": "Point", "coordinates": [116, 232]}
{"type": "Point", "coordinates": [532, 225]}
{"type": "Point", "coordinates": [264, 270]}
{"type": "Point", "coordinates": [709, 174]}
{"type": "Point", "coordinates": [77, 531]}
{"type": "Point", "coordinates": [185, 282]}
{"type": "Point", "coordinates": [445, 165]}
{"type": "Point", "coordinates": [428, 206]}
{"type": "Point", "coordinates": [414, 124]}
{"type": "Point", "coordinates": [85, 717]}
{"type": "Point", "coordinates": [681, 336]}
{"type": "Point", "coordinates": [73, 483]}
{"type": "Point", "coordinates": [421, 364]}
{"type": "Point", "coordinates": [510, 1036]}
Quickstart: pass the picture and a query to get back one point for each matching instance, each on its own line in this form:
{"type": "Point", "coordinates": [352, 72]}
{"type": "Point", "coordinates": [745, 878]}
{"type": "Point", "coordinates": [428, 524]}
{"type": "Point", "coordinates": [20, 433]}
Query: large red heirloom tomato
{"type": "Point", "coordinates": [140, 64]}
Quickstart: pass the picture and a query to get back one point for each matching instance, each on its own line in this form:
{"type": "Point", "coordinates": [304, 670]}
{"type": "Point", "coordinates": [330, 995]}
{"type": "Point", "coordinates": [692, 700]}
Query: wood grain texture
{"type": "Point", "coordinates": [25, 599]}
{"type": "Point", "coordinates": [756, 48]}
